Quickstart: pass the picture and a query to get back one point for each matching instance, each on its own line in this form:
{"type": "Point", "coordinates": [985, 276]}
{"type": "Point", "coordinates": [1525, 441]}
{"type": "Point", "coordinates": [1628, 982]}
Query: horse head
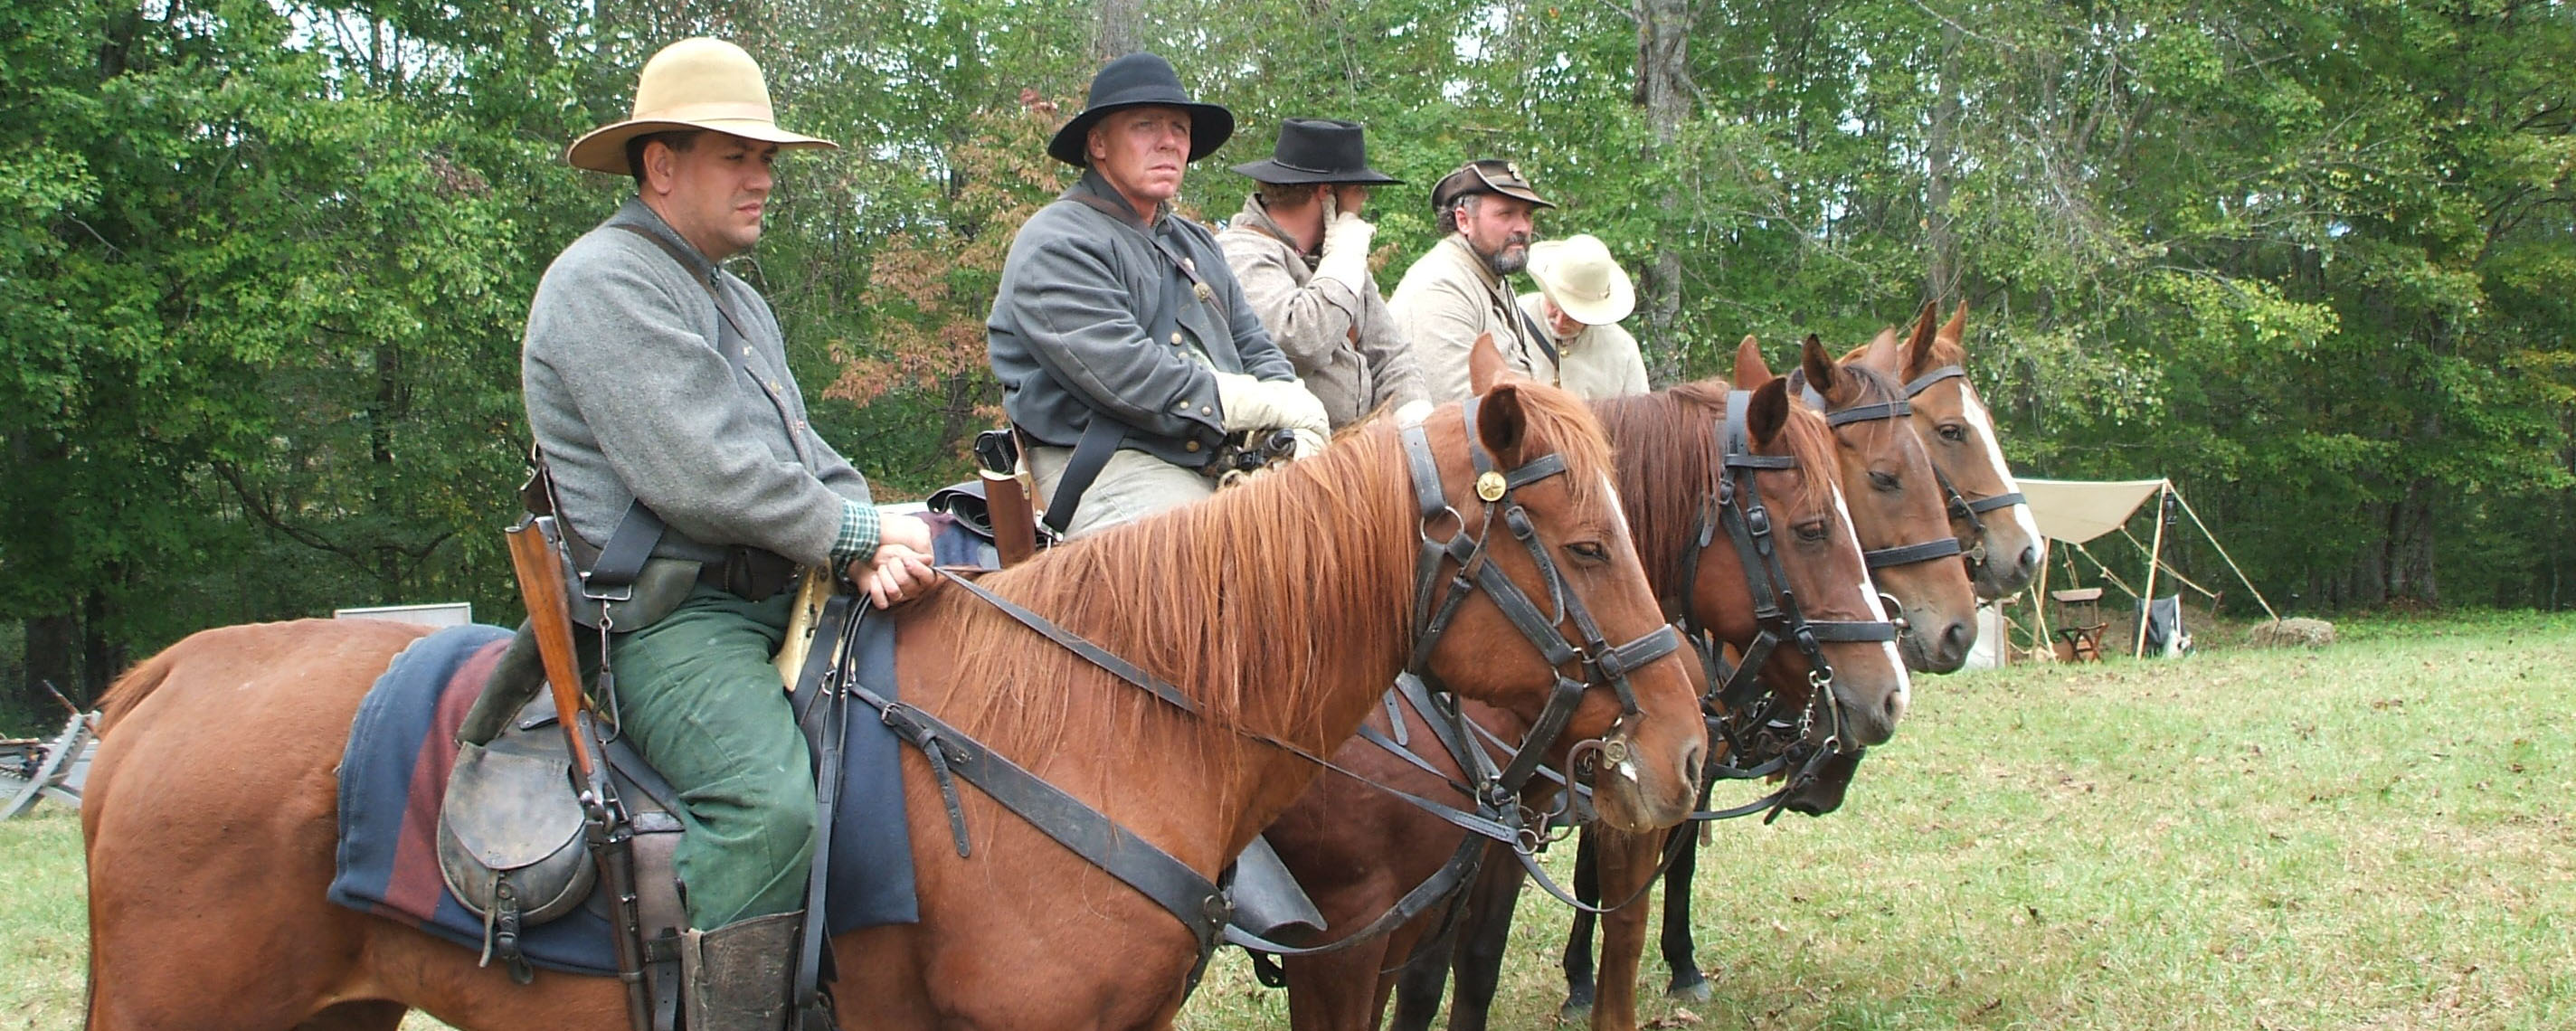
{"type": "Point", "coordinates": [1523, 495]}
{"type": "Point", "coordinates": [1896, 503]}
{"type": "Point", "coordinates": [1987, 511]}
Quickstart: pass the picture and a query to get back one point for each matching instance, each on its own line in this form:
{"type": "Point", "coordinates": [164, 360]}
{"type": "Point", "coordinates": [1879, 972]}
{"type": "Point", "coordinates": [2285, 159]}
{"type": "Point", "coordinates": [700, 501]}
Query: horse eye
{"type": "Point", "coordinates": [1952, 432]}
{"type": "Point", "coordinates": [1589, 551]}
{"type": "Point", "coordinates": [1812, 530]}
{"type": "Point", "coordinates": [1882, 481]}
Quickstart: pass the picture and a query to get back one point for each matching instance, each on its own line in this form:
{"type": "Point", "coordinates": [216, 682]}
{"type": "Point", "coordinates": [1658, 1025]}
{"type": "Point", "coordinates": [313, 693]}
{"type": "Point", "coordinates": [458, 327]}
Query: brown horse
{"type": "Point", "coordinates": [1896, 500]}
{"type": "Point", "coordinates": [1987, 510]}
{"type": "Point", "coordinates": [1282, 608]}
{"type": "Point", "coordinates": [1357, 850]}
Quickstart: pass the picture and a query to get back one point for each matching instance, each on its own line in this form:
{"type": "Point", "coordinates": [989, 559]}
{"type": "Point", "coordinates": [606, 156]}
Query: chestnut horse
{"type": "Point", "coordinates": [1897, 508]}
{"type": "Point", "coordinates": [1282, 608]}
{"type": "Point", "coordinates": [1987, 510]}
{"type": "Point", "coordinates": [1357, 851]}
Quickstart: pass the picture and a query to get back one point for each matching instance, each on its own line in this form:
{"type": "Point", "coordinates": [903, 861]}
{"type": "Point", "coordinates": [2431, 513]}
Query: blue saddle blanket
{"type": "Point", "coordinates": [393, 776]}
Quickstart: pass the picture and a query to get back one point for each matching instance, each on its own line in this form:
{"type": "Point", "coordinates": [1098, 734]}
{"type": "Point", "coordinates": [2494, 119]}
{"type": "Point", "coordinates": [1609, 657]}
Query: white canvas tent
{"type": "Point", "coordinates": [2073, 512]}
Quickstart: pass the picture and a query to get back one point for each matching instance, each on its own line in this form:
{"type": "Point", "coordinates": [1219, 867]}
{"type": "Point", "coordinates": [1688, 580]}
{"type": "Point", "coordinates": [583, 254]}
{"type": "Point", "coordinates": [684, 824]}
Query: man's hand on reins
{"type": "Point", "coordinates": [900, 569]}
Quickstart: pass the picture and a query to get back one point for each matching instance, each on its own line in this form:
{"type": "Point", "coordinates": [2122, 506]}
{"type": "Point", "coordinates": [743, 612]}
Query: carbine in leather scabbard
{"type": "Point", "coordinates": [814, 586]}
{"type": "Point", "coordinates": [541, 585]}
{"type": "Point", "coordinates": [1006, 497]}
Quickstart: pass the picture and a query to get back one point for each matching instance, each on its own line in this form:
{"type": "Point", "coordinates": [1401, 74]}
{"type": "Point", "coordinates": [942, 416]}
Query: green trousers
{"type": "Point", "coordinates": [698, 697]}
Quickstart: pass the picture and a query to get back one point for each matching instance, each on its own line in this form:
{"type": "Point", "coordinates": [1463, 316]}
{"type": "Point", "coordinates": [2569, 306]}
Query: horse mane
{"type": "Point", "coordinates": [1329, 541]}
{"type": "Point", "coordinates": [1669, 463]}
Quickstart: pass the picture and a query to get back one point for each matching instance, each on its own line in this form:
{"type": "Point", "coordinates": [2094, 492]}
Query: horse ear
{"type": "Point", "coordinates": [1822, 373]}
{"type": "Point", "coordinates": [1768, 412]}
{"type": "Point", "coordinates": [1501, 422]}
{"type": "Point", "coordinates": [1955, 331]}
{"type": "Point", "coordinates": [1750, 370]}
{"type": "Point", "coordinates": [1485, 366]}
{"type": "Point", "coordinates": [1918, 350]}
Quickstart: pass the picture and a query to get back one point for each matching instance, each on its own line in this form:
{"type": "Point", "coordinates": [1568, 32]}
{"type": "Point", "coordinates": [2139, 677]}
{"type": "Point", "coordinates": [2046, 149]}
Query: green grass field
{"type": "Point", "coordinates": [2375, 835]}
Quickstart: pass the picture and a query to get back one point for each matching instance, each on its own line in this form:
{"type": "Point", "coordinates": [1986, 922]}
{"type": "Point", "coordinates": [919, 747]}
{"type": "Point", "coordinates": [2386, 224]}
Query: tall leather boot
{"type": "Point", "coordinates": [739, 977]}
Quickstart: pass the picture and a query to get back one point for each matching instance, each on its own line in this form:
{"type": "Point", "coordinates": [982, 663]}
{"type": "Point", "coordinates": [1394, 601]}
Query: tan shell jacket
{"type": "Point", "coordinates": [1344, 346]}
{"type": "Point", "coordinates": [1444, 302]}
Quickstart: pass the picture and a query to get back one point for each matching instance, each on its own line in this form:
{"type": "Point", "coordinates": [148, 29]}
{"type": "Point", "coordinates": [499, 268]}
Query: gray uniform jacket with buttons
{"type": "Point", "coordinates": [1343, 343]}
{"type": "Point", "coordinates": [1448, 299]}
{"type": "Point", "coordinates": [629, 399]}
{"type": "Point", "coordinates": [1068, 333]}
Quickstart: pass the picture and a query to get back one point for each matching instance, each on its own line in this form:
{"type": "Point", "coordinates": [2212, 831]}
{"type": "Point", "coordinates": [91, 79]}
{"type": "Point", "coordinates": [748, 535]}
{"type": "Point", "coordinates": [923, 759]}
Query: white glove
{"type": "Point", "coordinates": [1309, 444]}
{"type": "Point", "coordinates": [1346, 247]}
{"type": "Point", "coordinates": [1252, 404]}
{"type": "Point", "coordinates": [1411, 413]}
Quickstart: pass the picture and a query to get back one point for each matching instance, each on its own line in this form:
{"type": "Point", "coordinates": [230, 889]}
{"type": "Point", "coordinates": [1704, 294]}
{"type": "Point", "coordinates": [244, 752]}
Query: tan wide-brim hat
{"type": "Point", "coordinates": [1579, 274]}
{"type": "Point", "coordinates": [692, 84]}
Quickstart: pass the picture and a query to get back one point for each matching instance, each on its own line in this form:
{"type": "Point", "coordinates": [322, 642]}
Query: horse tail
{"type": "Point", "coordinates": [131, 689]}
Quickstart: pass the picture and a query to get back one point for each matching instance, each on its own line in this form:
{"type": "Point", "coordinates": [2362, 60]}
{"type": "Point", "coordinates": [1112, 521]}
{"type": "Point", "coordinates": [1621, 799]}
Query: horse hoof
{"type": "Point", "coordinates": [1696, 991]}
{"type": "Point", "coordinates": [1573, 1012]}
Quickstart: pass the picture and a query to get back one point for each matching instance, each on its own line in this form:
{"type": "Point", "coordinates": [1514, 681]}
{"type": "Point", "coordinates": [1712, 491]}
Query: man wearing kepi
{"type": "Point", "coordinates": [1461, 289]}
{"type": "Point", "coordinates": [658, 390]}
{"type": "Point", "coordinates": [1582, 294]}
{"type": "Point", "coordinates": [1126, 349]}
{"type": "Point", "coordinates": [1301, 249]}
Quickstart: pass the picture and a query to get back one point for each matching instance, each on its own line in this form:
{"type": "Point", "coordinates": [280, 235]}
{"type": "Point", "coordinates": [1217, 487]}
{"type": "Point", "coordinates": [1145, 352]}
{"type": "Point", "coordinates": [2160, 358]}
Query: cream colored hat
{"type": "Point", "coordinates": [692, 84]}
{"type": "Point", "coordinates": [1579, 274]}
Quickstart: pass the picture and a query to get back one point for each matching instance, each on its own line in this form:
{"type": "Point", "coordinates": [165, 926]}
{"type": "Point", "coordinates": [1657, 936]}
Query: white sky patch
{"type": "Point", "coordinates": [1974, 410]}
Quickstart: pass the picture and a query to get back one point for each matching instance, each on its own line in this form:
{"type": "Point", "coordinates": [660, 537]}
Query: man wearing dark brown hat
{"type": "Point", "coordinates": [1126, 349]}
{"type": "Point", "coordinates": [1462, 289]}
{"type": "Point", "coordinates": [692, 486]}
{"type": "Point", "coordinates": [1301, 249]}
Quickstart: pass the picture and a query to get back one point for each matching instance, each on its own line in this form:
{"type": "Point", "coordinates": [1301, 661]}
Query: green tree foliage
{"type": "Point", "coordinates": [264, 262]}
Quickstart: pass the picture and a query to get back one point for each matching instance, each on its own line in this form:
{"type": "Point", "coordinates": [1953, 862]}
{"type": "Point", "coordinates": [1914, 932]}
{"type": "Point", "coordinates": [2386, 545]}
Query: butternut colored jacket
{"type": "Point", "coordinates": [1445, 301]}
{"type": "Point", "coordinates": [1343, 344]}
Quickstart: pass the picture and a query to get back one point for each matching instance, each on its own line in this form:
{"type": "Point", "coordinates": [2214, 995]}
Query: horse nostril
{"type": "Point", "coordinates": [2030, 556]}
{"type": "Point", "coordinates": [1957, 639]}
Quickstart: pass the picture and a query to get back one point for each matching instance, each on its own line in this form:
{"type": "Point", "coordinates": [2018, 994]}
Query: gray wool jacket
{"type": "Point", "coordinates": [1343, 344]}
{"type": "Point", "coordinates": [629, 399]}
{"type": "Point", "coordinates": [1068, 336]}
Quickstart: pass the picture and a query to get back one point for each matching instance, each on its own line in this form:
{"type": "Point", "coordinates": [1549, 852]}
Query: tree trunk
{"type": "Point", "coordinates": [102, 659]}
{"type": "Point", "coordinates": [1940, 241]}
{"type": "Point", "coordinates": [1663, 90]}
{"type": "Point", "coordinates": [53, 653]}
{"type": "Point", "coordinates": [1119, 31]}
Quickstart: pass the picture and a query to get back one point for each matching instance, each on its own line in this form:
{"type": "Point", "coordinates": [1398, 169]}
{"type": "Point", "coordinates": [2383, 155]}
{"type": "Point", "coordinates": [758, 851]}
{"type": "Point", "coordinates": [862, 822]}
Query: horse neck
{"type": "Point", "coordinates": [1281, 608]}
{"type": "Point", "coordinates": [1668, 467]}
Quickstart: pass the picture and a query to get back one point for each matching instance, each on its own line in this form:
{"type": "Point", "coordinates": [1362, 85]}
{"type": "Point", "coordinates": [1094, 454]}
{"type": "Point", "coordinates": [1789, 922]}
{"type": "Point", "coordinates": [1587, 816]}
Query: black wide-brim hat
{"type": "Point", "coordinates": [1317, 150]}
{"type": "Point", "coordinates": [1140, 80]}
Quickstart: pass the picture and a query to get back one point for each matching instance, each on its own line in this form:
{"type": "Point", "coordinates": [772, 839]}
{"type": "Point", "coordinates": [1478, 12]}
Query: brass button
{"type": "Point", "coordinates": [1183, 406]}
{"type": "Point", "coordinates": [1205, 410]}
{"type": "Point", "coordinates": [1192, 445]}
{"type": "Point", "coordinates": [773, 386]}
{"type": "Point", "coordinates": [1176, 338]}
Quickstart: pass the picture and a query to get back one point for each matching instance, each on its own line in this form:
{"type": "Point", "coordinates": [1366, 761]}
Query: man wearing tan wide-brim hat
{"type": "Point", "coordinates": [1582, 294]}
{"type": "Point", "coordinates": [687, 476]}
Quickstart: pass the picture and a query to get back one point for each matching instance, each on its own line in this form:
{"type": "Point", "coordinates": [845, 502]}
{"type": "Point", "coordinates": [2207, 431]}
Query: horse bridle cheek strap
{"type": "Point", "coordinates": [1962, 508]}
{"type": "Point", "coordinates": [1901, 408]}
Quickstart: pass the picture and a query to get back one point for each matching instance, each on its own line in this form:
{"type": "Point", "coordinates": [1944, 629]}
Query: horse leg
{"type": "Point", "coordinates": [1419, 984]}
{"type": "Point", "coordinates": [1337, 991]}
{"type": "Point", "coordinates": [1688, 984]}
{"type": "Point", "coordinates": [1627, 866]}
{"type": "Point", "coordinates": [1578, 942]}
{"type": "Point", "coordinates": [1478, 961]}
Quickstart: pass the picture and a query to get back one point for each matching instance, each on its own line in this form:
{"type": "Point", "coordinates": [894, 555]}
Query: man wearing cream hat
{"type": "Point", "coordinates": [1582, 294]}
{"type": "Point", "coordinates": [688, 477]}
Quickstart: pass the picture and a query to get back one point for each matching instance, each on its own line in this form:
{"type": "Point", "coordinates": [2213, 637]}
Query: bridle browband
{"type": "Point", "coordinates": [1200, 904]}
{"type": "Point", "coordinates": [1962, 508]}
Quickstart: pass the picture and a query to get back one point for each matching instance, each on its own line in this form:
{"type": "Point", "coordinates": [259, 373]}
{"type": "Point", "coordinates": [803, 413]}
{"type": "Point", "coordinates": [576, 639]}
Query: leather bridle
{"type": "Point", "coordinates": [1200, 904]}
{"type": "Point", "coordinates": [1901, 408]}
{"type": "Point", "coordinates": [1962, 508]}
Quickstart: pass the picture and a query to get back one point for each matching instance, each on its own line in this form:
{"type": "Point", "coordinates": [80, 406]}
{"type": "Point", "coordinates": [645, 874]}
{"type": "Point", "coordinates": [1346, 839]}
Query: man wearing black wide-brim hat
{"type": "Point", "coordinates": [1301, 249]}
{"type": "Point", "coordinates": [1125, 347]}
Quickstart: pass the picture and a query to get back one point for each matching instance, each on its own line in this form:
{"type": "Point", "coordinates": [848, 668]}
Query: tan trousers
{"type": "Point", "coordinates": [1132, 485]}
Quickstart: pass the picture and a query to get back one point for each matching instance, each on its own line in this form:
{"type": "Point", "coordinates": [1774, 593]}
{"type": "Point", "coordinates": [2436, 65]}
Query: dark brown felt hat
{"type": "Point", "coordinates": [1485, 175]}
{"type": "Point", "coordinates": [1317, 150]}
